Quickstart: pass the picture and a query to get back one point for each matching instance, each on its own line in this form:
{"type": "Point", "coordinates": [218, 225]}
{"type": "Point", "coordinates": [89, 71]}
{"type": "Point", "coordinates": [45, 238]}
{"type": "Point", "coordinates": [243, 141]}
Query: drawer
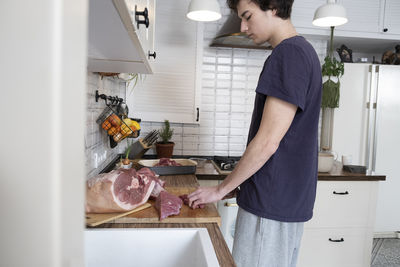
{"type": "Point", "coordinates": [344, 204]}
{"type": "Point", "coordinates": [353, 250]}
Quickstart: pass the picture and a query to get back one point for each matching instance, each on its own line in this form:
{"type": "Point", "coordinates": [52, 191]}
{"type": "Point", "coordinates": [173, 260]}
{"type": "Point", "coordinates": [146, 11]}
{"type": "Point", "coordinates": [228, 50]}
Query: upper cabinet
{"type": "Point", "coordinates": [391, 20]}
{"type": "Point", "coordinates": [121, 36]}
{"type": "Point", "coordinates": [373, 26]}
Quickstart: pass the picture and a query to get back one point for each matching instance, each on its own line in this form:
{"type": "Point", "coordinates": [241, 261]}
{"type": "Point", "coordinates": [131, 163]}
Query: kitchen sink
{"type": "Point", "coordinates": [148, 247]}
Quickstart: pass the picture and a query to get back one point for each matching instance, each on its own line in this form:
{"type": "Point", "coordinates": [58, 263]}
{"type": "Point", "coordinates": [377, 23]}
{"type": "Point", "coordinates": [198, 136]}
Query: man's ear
{"type": "Point", "coordinates": [274, 11]}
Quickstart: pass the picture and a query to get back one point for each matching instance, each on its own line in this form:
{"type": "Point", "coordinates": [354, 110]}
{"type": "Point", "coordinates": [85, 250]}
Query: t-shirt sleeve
{"type": "Point", "coordinates": [286, 75]}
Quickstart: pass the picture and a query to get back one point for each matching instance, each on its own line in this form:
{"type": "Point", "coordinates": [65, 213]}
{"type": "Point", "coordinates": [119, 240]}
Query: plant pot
{"type": "Point", "coordinates": [165, 150]}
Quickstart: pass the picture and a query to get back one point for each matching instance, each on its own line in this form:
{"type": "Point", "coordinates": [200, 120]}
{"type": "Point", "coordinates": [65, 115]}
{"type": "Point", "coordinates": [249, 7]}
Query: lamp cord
{"type": "Point", "coordinates": [331, 43]}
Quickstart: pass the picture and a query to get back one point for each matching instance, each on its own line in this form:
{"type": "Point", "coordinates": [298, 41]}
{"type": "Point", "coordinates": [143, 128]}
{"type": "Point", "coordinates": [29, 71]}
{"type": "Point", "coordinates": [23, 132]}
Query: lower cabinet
{"type": "Point", "coordinates": [340, 234]}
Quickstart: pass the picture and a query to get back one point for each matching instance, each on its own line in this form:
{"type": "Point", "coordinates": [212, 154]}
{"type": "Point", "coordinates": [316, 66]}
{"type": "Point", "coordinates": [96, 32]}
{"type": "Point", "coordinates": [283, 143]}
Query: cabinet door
{"type": "Point", "coordinates": [173, 92]}
{"type": "Point", "coordinates": [352, 248]}
{"type": "Point", "coordinates": [303, 12]}
{"type": "Point", "coordinates": [363, 15]}
{"type": "Point", "coordinates": [392, 17]}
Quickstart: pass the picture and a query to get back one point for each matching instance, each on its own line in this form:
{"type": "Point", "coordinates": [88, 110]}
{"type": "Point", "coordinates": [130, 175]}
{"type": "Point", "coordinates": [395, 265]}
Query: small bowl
{"type": "Point", "coordinates": [123, 166]}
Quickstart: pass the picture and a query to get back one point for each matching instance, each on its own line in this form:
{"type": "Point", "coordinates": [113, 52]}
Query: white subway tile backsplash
{"type": "Point", "coordinates": [221, 146]}
{"type": "Point", "coordinates": [224, 92]}
{"type": "Point", "coordinates": [239, 69]}
{"type": "Point", "coordinates": [222, 100]}
{"type": "Point", "coordinates": [222, 123]}
{"type": "Point", "coordinates": [240, 61]}
{"type": "Point", "coordinates": [208, 91]}
{"type": "Point", "coordinates": [238, 85]}
{"type": "Point", "coordinates": [223, 84]}
{"type": "Point", "coordinates": [209, 59]}
{"type": "Point", "coordinates": [221, 139]}
{"type": "Point", "coordinates": [224, 60]}
{"type": "Point", "coordinates": [223, 68]}
{"type": "Point", "coordinates": [191, 130]}
{"type": "Point", "coordinates": [208, 99]}
{"type": "Point", "coordinates": [223, 76]}
{"type": "Point", "coordinates": [239, 77]}
{"type": "Point", "coordinates": [222, 131]}
{"type": "Point", "coordinates": [240, 53]}
{"type": "Point", "coordinates": [222, 115]}
{"type": "Point", "coordinates": [238, 108]}
{"type": "Point", "coordinates": [209, 83]}
{"type": "Point", "coordinates": [208, 67]}
{"type": "Point", "coordinates": [222, 108]}
{"type": "Point", "coordinates": [208, 75]}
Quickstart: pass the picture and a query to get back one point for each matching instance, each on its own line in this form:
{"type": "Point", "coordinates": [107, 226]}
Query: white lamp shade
{"type": "Point", "coordinates": [204, 10]}
{"type": "Point", "coordinates": [330, 14]}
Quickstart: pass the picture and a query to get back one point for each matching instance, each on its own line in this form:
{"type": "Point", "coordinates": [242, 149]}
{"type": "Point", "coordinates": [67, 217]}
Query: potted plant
{"type": "Point", "coordinates": [332, 70]}
{"type": "Point", "coordinates": [126, 163]}
{"type": "Point", "coordinates": [165, 147]}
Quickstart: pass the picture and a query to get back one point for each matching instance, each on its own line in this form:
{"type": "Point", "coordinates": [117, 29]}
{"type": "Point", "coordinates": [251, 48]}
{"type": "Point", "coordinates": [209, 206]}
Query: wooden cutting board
{"type": "Point", "coordinates": [94, 219]}
{"type": "Point", "coordinates": [187, 215]}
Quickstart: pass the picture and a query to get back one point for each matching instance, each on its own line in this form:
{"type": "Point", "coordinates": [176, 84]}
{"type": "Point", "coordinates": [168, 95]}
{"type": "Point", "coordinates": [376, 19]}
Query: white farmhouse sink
{"type": "Point", "coordinates": [148, 247]}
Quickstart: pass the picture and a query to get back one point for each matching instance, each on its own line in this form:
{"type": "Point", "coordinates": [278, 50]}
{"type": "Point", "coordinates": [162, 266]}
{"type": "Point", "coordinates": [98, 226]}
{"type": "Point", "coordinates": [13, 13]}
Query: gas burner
{"type": "Point", "coordinates": [226, 163]}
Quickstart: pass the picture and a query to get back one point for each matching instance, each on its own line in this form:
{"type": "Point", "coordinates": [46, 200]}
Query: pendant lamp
{"type": "Point", "coordinates": [204, 10]}
{"type": "Point", "coordinates": [330, 14]}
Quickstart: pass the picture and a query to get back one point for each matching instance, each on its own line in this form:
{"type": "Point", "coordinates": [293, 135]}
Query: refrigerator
{"type": "Point", "coordinates": [367, 126]}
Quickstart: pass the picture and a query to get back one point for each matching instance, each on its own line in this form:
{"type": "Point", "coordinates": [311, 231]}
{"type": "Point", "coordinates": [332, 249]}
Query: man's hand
{"type": "Point", "coordinates": [204, 195]}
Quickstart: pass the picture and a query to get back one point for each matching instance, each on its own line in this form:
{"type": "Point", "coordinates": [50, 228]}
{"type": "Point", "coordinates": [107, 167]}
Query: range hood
{"type": "Point", "coordinates": [230, 36]}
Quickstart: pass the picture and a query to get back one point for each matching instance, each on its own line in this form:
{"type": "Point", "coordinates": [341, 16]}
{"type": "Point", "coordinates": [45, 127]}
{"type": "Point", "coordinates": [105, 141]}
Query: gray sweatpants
{"type": "Point", "coordinates": [261, 242]}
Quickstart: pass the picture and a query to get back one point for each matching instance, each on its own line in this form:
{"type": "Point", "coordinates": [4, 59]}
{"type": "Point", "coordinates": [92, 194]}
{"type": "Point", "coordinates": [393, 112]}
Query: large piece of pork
{"type": "Point", "coordinates": [119, 190]}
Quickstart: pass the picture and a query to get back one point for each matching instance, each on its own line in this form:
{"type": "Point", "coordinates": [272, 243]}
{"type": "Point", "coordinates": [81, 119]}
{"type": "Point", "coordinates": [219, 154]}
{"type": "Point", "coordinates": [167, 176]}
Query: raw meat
{"type": "Point", "coordinates": [159, 184]}
{"type": "Point", "coordinates": [168, 204]}
{"type": "Point", "coordinates": [185, 200]}
{"type": "Point", "coordinates": [167, 162]}
{"type": "Point", "coordinates": [117, 191]}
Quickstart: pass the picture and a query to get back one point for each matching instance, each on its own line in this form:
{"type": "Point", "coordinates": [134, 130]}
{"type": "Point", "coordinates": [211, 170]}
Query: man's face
{"type": "Point", "coordinates": [257, 24]}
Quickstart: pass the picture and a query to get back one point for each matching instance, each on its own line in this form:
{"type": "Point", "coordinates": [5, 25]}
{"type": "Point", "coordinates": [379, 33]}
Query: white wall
{"type": "Point", "coordinates": [97, 146]}
{"type": "Point", "coordinates": [43, 71]}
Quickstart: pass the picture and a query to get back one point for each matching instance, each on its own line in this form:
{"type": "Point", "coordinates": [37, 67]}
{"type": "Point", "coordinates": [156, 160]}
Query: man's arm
{"type": "Point", "coordinates": [276, 120]}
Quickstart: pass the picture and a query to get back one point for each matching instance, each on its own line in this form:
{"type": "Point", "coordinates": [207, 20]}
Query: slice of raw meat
{"type": "Point", "coordinates": [168, 204]}
{"type": "Point", "coordinates": [159, 184]}
{"type": "Point", "coordinates": [185, 200]}
{"type": "Point", "coordinates": [117, 191]}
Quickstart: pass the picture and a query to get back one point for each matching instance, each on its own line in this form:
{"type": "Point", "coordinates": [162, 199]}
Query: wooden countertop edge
{"type": "Point", "coordinates": [171, 220]}
{"type": "Point", "coordinates": [224, 256]}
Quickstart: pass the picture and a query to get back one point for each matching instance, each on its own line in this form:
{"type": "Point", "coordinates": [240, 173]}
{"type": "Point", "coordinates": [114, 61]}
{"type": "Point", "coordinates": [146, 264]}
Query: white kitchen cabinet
{"type": "Point", "coordinates": [391, 20]}
{"type": "Point", "coordinates": [373, 26]}
{"type": "Point", "coordinates": [173, 91]}
{"type": "Point", "coordinates": [341, 230]}
{"type": "Point", "coordinates": [116, 44]}
{"type": "Point", "coordinates": [363, 15]}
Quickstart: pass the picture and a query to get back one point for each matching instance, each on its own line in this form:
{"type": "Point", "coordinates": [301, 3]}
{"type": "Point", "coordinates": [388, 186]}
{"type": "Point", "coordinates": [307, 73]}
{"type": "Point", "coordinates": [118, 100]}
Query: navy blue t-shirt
{"type": "Point", "coordinates": [284, 188]}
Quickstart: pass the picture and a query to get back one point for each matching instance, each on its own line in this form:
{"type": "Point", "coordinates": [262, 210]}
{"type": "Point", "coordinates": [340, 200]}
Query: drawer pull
{"type": "Point", "coordinates": [336, 240]}
{"type": "Point", "coordinates": [230, 204]}
{"type": "Point", "coordinates": [340, 193]}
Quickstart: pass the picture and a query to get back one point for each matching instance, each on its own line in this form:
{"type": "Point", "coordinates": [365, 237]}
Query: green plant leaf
{"type": "Point", "coordinates": [330, 94]}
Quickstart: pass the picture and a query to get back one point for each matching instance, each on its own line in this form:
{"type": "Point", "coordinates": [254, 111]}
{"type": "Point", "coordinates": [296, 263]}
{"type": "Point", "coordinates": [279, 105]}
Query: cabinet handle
{"type": "Point", "coordinates": [143, 13]}
{"type": "Point", "coordinates": [227, 204]}
{"type": "Point", "coordinates": [152, 55]}
{"type": "Point", "coordinates": [198, 113]}
{"type": "Point", "coordinates": [340, 193]}
{"type": "Point", "coordinates": [336, 240]}
{"type": "Point", "coordinates": [385, 29]}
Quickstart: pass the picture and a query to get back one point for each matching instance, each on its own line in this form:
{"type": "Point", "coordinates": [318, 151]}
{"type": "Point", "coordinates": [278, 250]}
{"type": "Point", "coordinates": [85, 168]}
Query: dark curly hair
{"type": "Point", "coordinates": [283, 7]}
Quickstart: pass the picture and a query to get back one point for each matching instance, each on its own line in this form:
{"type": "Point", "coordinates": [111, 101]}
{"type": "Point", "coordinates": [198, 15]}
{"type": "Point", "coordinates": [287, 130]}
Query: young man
{"type": "Point", "coordinates": [277, 173]}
